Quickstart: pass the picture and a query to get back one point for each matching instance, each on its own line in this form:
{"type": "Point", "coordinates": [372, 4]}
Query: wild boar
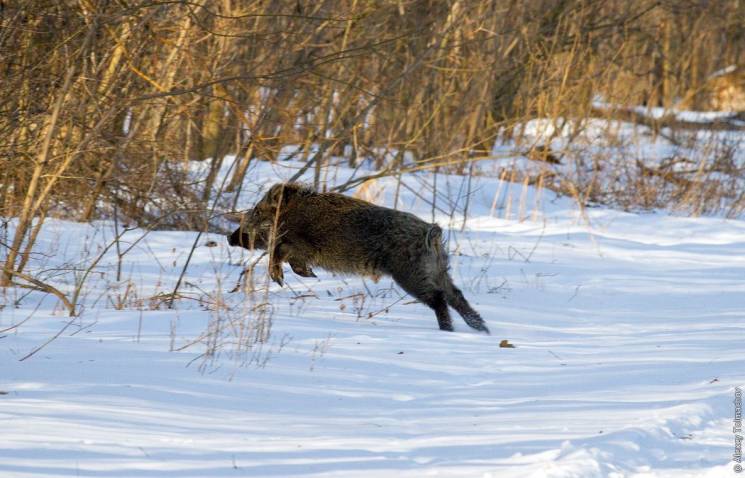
{"type": "Point", "coordinates": [351, 236]}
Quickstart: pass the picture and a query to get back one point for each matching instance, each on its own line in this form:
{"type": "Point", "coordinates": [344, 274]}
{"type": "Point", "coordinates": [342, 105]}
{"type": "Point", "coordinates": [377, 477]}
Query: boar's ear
{"type": "Point", "coordinates": [280, 192]}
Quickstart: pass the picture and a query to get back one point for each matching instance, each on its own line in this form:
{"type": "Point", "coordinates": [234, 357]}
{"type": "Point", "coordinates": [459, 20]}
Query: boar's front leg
{"type": "Point", "coordinates": [301, 268]}
{"type": "Point", "coordinates": [283, 252]}
{"type": "Point", "coordinates": [276, 258]}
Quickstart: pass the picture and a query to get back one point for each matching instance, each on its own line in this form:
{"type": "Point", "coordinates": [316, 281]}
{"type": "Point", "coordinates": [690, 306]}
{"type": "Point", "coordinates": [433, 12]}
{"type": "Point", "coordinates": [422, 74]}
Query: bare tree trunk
{"type": "Point", "coordinates": [27, 209]}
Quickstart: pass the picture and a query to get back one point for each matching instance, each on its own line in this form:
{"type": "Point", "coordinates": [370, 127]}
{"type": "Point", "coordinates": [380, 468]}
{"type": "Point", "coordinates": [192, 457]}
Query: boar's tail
{"type": "Point", "coordinates": [436, 247]}
{"type": "Point", "coordinates": [434, 238]}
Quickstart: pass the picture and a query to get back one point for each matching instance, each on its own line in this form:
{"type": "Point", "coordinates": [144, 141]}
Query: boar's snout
{"type": "Point", "coordinates": [246, 239]}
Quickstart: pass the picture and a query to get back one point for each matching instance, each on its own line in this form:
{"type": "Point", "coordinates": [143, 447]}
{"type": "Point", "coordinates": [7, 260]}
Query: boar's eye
{"type": "Point", "coordinates": [255, 217]}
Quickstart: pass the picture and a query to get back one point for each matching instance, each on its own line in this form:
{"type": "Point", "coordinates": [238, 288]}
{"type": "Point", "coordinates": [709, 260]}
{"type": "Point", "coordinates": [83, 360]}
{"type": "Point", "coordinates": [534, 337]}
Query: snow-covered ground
{"type": "Point", "coordinates": [629, 333]}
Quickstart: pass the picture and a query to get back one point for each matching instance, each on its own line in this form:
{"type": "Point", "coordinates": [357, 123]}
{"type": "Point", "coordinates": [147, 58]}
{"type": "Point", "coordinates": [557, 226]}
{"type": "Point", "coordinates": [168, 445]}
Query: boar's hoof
{"type": "Point", "coordinates": [277, 275]}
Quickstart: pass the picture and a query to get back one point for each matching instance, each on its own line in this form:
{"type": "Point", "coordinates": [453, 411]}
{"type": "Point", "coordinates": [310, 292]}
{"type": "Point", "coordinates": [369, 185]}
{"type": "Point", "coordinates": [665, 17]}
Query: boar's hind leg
{"type": "Point", "coordinates": [458, 302]}
{"type": "Point", "coordinates": [440, 306]}
{"type": "Point", "coordinates": [429, 295]}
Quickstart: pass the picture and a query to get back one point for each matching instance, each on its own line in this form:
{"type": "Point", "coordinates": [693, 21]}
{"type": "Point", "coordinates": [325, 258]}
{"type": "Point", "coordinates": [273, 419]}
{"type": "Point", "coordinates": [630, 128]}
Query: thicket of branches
{"type": "Point", "coordinates": [102, 102]}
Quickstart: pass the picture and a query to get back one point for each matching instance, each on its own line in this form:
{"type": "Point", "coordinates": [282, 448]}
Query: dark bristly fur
{"type": "Point", "coordinates": [348, 235]}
